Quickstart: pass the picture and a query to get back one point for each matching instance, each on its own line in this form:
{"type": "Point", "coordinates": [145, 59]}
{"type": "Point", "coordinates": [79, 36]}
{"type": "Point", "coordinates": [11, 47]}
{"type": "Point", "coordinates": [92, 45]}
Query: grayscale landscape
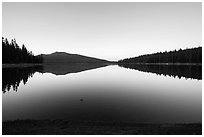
{"type": "Point", "coordinates": [101, 68]}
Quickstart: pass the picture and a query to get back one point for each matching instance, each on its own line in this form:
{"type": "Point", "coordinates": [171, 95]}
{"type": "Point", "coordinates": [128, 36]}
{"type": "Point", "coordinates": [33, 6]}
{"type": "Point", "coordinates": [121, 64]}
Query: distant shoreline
{"type": "Point", "coordinates": [20, 65]}
{"type": "Point", "coordinates": [112, 63]}
{"type": "Point", "coordinates": [70, 127]}
{"type": "Point", "coordinates": [52, 64]}
{"type": "Point", "coordinates": [184, 64]}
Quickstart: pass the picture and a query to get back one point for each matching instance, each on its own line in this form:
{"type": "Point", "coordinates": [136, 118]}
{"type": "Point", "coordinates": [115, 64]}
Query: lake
{"type": "Point", "coordinates": [103, 93]}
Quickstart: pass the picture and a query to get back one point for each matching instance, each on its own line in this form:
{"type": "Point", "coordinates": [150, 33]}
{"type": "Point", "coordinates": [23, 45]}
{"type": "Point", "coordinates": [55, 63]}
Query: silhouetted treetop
{"type": "Point", "coordinates": [13, 54]}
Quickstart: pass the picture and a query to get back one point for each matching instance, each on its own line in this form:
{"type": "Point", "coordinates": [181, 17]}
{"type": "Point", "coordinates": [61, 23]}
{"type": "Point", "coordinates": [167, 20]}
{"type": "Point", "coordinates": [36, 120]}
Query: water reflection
{"type": "Point", "coordinates": [187, 71]}
{"type": "Point", "coordinates": [109, 93]}
{"type": "Point", "coordinates": [11, 77]}
{"type": "Point", "coordinates": [63, 69]}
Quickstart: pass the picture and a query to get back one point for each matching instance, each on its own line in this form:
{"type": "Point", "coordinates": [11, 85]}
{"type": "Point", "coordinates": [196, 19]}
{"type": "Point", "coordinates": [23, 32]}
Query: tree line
{"type": "Point", "coordinates": [193, 55]}
{"type": "Point", "coordinates": [13, 54]}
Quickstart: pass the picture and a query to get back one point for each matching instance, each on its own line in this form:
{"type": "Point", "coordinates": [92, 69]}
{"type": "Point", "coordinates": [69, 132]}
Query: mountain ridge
{"type": "Point", "coordinates": [64, 57]}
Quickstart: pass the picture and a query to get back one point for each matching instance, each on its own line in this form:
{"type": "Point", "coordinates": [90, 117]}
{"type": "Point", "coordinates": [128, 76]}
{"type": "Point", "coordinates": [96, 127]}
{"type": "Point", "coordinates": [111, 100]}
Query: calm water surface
{"type": "Point", "coordinates": [107, 93]}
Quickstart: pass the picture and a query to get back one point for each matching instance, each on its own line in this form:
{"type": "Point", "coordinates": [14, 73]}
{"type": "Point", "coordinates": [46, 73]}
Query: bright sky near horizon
{"type": "Point", "coordinates": [112, 30]}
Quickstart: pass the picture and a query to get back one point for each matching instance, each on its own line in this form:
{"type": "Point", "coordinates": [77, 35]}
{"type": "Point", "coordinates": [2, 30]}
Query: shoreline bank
{"type": "Point", "coordinates": [70, 127]}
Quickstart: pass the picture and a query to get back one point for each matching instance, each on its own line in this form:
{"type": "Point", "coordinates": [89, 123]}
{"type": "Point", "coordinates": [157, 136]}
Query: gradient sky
{"type": "Point", "coordinates": [109, 31]}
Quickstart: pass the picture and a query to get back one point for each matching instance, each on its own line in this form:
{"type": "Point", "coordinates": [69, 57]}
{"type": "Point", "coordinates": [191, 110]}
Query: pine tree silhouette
{"type": "Point", "coordinates": [12, 53]}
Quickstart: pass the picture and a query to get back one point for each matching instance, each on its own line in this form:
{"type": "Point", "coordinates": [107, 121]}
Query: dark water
{"type": "Point", "coordinates": [102, 93]}
{"type": "Point", "coordinates": [187, 71]}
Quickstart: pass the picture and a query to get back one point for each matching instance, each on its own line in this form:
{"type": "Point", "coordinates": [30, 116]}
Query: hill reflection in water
{"type": "Point", "coordinates": [12, 77]}
{"type": "Point", "coordinates": [63, 69]}
{"type": "Point", "coordinates": [187, 71]}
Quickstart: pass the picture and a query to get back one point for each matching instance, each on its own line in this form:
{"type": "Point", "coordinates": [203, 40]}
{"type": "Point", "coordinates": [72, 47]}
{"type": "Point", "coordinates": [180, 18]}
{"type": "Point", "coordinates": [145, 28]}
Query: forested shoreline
{"type": "Point", "coordinates": [191, 56]}
{"type": "Point", "coordinates": [13, 54]}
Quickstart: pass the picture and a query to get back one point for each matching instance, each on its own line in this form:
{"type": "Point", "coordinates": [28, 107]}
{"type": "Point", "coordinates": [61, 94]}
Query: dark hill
{"type": "Point", "coordinates": [64, 58]}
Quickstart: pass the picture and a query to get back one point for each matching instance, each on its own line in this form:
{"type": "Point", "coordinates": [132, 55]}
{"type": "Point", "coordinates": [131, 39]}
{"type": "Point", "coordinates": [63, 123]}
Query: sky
{"type": "Point", "coordinates": [111, 30]}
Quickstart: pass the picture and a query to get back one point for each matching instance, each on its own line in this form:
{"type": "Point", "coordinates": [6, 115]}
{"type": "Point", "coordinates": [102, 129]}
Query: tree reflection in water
{"type": "Point", "coordinates": [12, 77]}
{"type": "Point", "coordinates": [187, 71]}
